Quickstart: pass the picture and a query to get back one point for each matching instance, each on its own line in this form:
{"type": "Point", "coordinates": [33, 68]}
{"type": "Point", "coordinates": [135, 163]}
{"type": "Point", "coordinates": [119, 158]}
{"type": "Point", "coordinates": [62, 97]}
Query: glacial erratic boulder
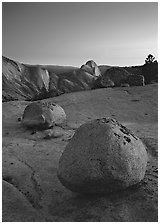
{"type": "Point", "coordinates": [103, 156]}
{"type": "Point", "coordinates": [43, 115]}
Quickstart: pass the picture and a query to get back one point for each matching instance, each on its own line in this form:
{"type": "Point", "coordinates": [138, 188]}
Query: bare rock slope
{"type": "Point", "coordinates": [33, 82]}
{"type": "Point", "coordinates": [92, 68]}
{"type": "Point", "coordinates": [31, 189]}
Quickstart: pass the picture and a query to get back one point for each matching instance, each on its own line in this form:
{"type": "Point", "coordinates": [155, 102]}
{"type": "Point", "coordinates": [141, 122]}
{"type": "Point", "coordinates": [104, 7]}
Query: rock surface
{"type": "Point", "coordinates": [135, 80]}
{"type": "Point", "coordinates": [36, 159]}
{"type": "Point", "coordinates": [117, 75]}
{"type": "Point", "coordinates": [103, 156]}
{"type": "Point", "coordinates": [103, 82]}
{"type": "Point", "coordinates": [37, 82]}
{"type": "Point", "coordinates": [43, 115]}
{"type": "Point", "coordinates": [92, 68]}
{"type": "Point", "coordinates": [55, 132]}
{"type": "Point", "coordinates": [20, 210]}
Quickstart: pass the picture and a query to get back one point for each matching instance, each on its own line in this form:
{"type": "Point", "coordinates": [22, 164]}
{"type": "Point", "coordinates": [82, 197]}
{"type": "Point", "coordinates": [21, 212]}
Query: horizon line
{"type": "Point", "coordinates": [28, 63]}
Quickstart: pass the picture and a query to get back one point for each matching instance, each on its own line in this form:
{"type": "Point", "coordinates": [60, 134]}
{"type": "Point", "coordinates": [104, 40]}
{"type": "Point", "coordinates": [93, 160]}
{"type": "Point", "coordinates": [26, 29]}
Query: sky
{"type": "Point", "coordinates": [71, 33]}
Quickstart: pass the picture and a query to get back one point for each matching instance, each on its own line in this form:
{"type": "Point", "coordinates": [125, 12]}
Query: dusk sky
{"type": "Point", "coordinates": [64, 33]}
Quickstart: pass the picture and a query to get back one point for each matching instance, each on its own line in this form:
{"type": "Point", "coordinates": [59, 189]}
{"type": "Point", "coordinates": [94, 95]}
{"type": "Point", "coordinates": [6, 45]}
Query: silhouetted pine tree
{"type": "Point", "coordinates": [150, 69]}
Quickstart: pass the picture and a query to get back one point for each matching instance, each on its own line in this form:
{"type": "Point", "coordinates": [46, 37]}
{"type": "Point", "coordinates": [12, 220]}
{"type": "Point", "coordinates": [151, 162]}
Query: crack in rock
{"type": "Point", "coordinates": [33, 200]}
{"type": "Point", "coordinates": [10, 181]}
{"type": "Point", "coordinates": [36, 185]}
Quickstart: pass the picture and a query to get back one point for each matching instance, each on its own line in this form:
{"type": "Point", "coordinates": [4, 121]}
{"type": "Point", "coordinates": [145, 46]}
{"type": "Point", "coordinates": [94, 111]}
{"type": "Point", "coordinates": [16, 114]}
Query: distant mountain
{"type": "Point", "coordinates": [103, 68]}
{"type": "Point", "coordinates": [33, 82]}
{"type": "Point", "coordinates": [59, 69]}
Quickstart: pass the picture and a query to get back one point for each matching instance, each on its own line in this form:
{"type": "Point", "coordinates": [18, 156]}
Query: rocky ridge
{"type": "Point", "coordinates": [34, 82]}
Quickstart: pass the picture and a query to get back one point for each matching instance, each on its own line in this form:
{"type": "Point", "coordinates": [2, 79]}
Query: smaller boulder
{"type": "Point", "coordinates": [43, 115]}
{"type": "Point", "coordinates": [87, 69]}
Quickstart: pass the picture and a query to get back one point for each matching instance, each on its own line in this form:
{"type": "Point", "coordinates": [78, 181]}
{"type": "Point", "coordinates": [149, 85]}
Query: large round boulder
{"type": "Point", "coordinates": [43, 115]}
{"type": "Point", "coordinates": [103, 156]}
